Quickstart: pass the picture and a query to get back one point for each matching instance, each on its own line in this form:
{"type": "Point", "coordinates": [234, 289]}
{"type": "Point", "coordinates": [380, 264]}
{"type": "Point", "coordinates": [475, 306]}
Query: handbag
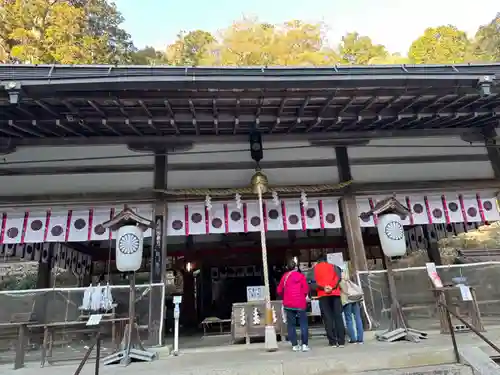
{"type": "Point", "coordinates": [353, 291]}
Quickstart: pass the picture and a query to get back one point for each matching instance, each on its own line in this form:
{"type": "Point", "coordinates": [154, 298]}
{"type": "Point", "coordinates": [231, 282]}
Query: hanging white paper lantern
{"type": "Point", "coordinates": [392, 235]}
{"type": "Point", "coordinates": [208, 202]}
{"type": "Point", "coordinates": [303, 199]}
{"type": "Point", "coordinates": [276, 199]}
{"type": "Point", "coordinates": [237, 198]}
{"type": "Point", "coordinates": [129, 248]}
{"type": "Point", "coordinates": [87, 295]}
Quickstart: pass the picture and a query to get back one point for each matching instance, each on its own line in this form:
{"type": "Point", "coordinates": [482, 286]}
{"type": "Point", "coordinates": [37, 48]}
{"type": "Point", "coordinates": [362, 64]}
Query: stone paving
{"type": "Point", "coordinates": [252, 359]}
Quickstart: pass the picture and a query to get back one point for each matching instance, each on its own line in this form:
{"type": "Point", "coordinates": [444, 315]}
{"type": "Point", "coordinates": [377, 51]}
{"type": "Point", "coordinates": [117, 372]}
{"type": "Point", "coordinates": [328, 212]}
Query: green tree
{"type": "Point", "coordinates": [249, 42]}
{"type": "Point", "coordinates": [360, 50]}
{"type": "Point", "coordinates": [390, 59]}
{"type": "Point", "coordinates": [62, 31]}
{"type": "Point", "coordinates": [298, 43]}
{"type": "Point", "coordinates": [148, 56]}
{"type": "Point", "coordinates": [246, 43]}
{"type": "Point", "coordinates": [440, 45]}
{"type": "Point", "coordinates": [102, 18]}
{"type": "Point", "coordinates": [190, 49]}
{"type": "Point", "coordinates": [486, 44]}
{"type": "Point", "coordinates": [42, 31]}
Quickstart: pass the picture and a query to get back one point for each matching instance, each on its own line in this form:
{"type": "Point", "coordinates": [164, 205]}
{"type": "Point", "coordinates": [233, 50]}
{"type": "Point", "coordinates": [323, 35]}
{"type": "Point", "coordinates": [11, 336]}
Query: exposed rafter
{"type": "Point", "coordinates": [277, 101]}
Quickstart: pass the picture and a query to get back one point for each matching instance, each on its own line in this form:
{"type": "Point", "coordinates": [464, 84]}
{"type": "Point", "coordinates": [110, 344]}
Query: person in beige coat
{"type": "Point", "coordinates": [352, 296]}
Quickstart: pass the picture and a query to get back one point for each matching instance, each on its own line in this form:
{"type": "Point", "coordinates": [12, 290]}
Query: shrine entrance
{"type": "Point", "coordinates": [229, 271]}
{"type": "Point", "coordinates": [218, 247]}
{"type": "Point", "coordinates": [330, 147]}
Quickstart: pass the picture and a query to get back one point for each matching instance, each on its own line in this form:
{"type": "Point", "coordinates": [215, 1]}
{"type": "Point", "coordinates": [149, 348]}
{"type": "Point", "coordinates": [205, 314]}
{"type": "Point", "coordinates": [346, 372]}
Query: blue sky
{"type": "Point", "coordinates": [394, 23]}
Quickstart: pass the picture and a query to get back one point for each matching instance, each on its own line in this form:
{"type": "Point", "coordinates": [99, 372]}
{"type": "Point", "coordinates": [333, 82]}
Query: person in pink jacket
{"type": "Point", "coordinates": [294, 289]}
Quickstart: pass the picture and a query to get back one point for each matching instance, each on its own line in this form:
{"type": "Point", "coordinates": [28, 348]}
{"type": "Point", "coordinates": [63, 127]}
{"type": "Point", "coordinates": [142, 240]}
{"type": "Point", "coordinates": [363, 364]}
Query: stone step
{"type": "Point", "coordinates": [423, 370]}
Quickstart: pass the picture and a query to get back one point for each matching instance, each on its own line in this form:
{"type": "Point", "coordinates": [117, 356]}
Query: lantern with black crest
{"type": "Point", "coordinates": [389, 214]}
{"type": "Point", "coordinates": [129, 228]}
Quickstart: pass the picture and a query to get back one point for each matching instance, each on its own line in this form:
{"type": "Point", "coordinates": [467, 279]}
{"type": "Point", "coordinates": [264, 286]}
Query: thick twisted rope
{"type": "Point", "coordinates": [248, 190]}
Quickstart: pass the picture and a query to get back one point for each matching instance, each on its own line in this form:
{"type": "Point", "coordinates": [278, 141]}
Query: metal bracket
{"type": "Point", "coordinates": [13, 88]}
{"type": "Point", "coordinates": [169, 147]}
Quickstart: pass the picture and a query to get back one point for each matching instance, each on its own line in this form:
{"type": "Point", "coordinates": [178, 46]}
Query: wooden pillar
{"type": "Point", "coordinates": [350, 215]}
{"type": "Point", "coordinates": [43, 275]}
{"type": "Point", "coordinates": [43, 282]}
{"type": "Point", "coordinates": [432, 245]}
{"type": "Point", "coordinates": [493, 150]}
{"type": "Point", "coordinates": [158, 251]}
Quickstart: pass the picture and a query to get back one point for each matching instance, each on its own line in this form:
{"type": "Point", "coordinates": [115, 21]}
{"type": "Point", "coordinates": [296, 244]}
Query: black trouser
{"type": "Point", "coordinates": [331, 310]}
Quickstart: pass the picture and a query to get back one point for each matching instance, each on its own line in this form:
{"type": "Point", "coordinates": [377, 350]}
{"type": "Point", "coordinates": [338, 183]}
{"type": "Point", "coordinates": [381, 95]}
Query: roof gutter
{"type": "Point", "coordinates": [245, 81]}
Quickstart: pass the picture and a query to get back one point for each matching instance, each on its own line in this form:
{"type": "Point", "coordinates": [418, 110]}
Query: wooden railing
{"type": "Point", "coordinates": [483, 255]}
{"type": "Point", "coordinates": [449, 313]}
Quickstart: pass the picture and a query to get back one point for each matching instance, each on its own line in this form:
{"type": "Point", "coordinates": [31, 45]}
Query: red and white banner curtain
{"type": "Point", "coordinates": [236, 216]}
{"type": "Point", "coordinates": [446, 208]}
{"type": "Point", "coordinates": [243, 217]}
{"type": "Point", "coordinates": [79, 225]}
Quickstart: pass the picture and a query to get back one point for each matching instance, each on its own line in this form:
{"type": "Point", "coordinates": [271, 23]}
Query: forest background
{"type": "Point", "coordinates": [91, 32]}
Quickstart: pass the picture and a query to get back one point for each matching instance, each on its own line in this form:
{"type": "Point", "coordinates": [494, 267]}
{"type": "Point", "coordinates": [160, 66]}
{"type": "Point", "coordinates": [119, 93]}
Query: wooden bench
{"type": "Point", "coordinates": [211, 321]}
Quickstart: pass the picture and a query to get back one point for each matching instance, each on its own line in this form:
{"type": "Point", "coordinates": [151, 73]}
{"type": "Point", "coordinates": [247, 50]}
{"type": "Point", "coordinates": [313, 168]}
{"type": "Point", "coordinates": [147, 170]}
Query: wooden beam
{"type": "Point", "coordinates": [172, 141]}
{"type": "Point", "coordinates": [148, 196]}
{"type": "Point", "coordinates": [5, 170]}
{"type": "Point", "coordinates": [424, 186]}
{"type": "Point", "coordinates": [72, 200]}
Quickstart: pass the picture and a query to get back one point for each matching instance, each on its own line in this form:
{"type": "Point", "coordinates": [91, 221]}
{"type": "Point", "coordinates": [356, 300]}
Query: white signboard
{"type": "Point", "coordinates": [465, 293]}
{"type": "Point", "coordinates": [94, 320]}
{"type": "Point", "coordinates": [336, 259]}
{"type": "Point", "coordinates": [255, 293]}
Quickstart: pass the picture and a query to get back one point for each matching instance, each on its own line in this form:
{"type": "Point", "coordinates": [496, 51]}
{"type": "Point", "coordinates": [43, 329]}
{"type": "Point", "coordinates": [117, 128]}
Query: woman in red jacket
{"type": "Point", "coordinates": [294, 289]}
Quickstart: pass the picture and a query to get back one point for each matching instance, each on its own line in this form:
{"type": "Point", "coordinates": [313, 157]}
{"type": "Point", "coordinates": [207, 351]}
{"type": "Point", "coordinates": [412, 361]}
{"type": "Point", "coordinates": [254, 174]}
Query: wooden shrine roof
{"type": "Point", "coordinates": [43, 104]}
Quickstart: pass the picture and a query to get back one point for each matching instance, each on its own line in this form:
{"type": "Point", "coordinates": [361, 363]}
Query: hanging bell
{"type": "Point", "coordinates": [259, 181]}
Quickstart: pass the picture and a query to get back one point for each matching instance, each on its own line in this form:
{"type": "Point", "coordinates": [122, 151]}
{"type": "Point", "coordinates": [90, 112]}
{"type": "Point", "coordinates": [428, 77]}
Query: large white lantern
{"type": "Point", "coordinates": [392, 235]}
{"type": "Point", "coordinates": [129, 241]}
{"type": "Point", "coordinates": [390, 212]}
{"type": "Point", "coordinates": [129, 228]}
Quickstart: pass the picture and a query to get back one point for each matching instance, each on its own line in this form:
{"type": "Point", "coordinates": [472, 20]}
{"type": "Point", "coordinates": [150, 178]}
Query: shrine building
{"type": "Point", "coordinates": [176, 145]}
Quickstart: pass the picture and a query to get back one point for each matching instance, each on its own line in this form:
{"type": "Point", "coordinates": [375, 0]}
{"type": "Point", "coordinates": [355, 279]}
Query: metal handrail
{"type": "Point", "coordinates": [449, 312]}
